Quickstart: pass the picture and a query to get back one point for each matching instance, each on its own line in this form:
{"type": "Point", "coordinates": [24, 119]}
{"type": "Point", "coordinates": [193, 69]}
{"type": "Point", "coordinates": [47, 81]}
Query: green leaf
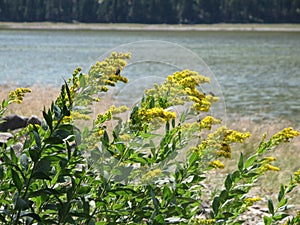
{"type": "Point", "coordinates": [42, 170]}
{"type": "Point", "coordinates": [241, 163]}
{"type": "Point", "coordinates": [82, 80]}
{"type": "Point", "coordinates": [159, 219]}
{"type": "Point", "coordinates": [53, 140]}
{"type": "Point", "coordinates": [154, 199]}
{"type": "Point", "coordinates": [24, 161]}
{"type": "Point", "coordinates": [152, 103]}
{"type": "Point", "coordinates": [1, 173]}
{"type": "Point", "coordinates": [223, 196]}
{"type": "Point", "coordinates": [48, 119]}
{"type": "Point", "coordinates": [13, 157]}
{"type": "Point", "coordinates": [238, 191]}
{"type": "Point", "coordinates": [228, 182]}
{"type": "Point", "coordinates": [267, 220]}
{"type": "Point", "coordinates": [251, 174]}
{"type": "Point", "coordinates": [37, 139]}
{"type": "Point", "coordinates": [152, 147]}
{"type": "Point", "coordinates": [167, 126]}
{"type": "Point", "coordinates": [215, 205]}
{"type": "Point", "coordinates": [250, 161]}
{"type": "Point", "coordinates": [182, 117]}
{"type": "Point", "coordinates": [235, 177]}
{"type": "Point", "coordinates": [57, 111]}
{"type": "Point", "coordinates": [167, 194]}
{"type": "Point", "coordinates": [16, 179]}
{"type": "Point", "coordinates": [4, 104]}
{"type": "Point", "coordinates": [69, 94]}
{"type": "Point", "coordinates": [32, 215]}
{"type": "Point", "coordinates": [34, 154]}
{"type": "Point", "coordinates": [21, 203]}
{"type": "Point", "coordinates": [173, 123]}
{"type": "Point", "coordinates": [281, 193]}
{"type": "Point", "coordinates": [105, 138]}
{"type": "Point", "coordinates": [193, 158]}
{"type": "Point", "coordinates": [271, 206]}
{"type": "Point", "coordinates": [282, 202]}
{"type": "Point", "coordinates": [280, 216]}
{"type": "Point", "coordinates": [64, 131]}
{"type": "Point", "coordinates": [66, 111]}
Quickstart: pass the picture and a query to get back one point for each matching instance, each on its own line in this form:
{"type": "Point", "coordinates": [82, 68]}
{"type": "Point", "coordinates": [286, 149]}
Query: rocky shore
{"type": "Point", "coordinates": [151, 27]}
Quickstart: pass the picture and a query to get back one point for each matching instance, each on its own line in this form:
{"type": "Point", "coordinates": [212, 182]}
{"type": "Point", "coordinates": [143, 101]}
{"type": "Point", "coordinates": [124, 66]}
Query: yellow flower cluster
{"type": "Point", "coordinates": [148, 114]}
{"type": "Point", "coordinates": [228, 135]}
{"type": "Point", "coordinates": [219, 141]}
{"type": "Point", "coordinates": [198, 221]}
{"type": "Point", "coordinates": [268, 159]}
{"type": "Point", "coordinates": [100, 132]}
{"type": "Point", "coordinates": [78, 115]}
{"type": "Point", "coordinates": [125, 137]}
{"type": "Point", "coordinates": [76, 71]}
{"type": "Point", "coordinates": [217, 164]}
{"type": "Point", "coordinates": [224, 151]}
{"type": "Point", "coordinates": [108, 72]}
{"type": "Point", "coordinates": [268, 167]}
{"type": "Point", "coordinates": [297, 173]}
{"type": "Point", "coordinates": [188, 78]}
{"type": "Point", "coordinates": [18, 95]}
{"type": "Point", "coordinates": [251, 201]}
{"type": "Point", "coordinates": [297, 176]}
{"type": "Point", "coordinates": [107, 115]}
{"type": "Point", "coordinates": [181, 87]}
{"type": "Point", "coordinates": [284, 136]}
{"type": "Point", "coordinates": [208, 122]}
{"type": "Point", "coordinates": [151, 174]}
{"type": "Point", "coordinates": [116, 110]}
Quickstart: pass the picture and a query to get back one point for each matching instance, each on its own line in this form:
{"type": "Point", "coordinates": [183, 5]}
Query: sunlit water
{"type": "Point", "coordinates": [259, 72]}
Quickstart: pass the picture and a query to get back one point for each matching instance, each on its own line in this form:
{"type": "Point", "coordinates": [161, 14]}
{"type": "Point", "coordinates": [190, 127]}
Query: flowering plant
{"type": "Point", "coordinates": [150, 168]}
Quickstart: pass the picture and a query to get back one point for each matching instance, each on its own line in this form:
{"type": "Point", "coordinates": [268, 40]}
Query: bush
{"type": "Point", "coordinates": [148, 169]}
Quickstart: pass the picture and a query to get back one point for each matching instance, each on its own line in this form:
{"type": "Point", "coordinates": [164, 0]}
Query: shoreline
{"type": "Point", "coordinates": [148, 27]}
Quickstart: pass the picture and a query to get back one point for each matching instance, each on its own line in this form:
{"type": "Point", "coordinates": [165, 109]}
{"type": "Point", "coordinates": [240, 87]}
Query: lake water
{"type": "Point", "coordinates": [258, 72]}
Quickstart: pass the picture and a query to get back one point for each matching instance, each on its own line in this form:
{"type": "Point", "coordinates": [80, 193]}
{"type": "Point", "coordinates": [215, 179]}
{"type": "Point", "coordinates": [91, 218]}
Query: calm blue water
{"type": "Point", "coordinates": [259, 72]}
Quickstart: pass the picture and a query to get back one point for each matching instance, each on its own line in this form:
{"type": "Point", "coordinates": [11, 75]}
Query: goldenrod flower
{"type": "Point", "coordinates": [125, 137]}
{"type": "Point", "coordinates": [100, 132]}
{"type": "Point", "coordinates": [229, 136]}
{"type": "Point", "coordinates": [217, 164]}
{"type": "Point", "coordinates": [266, 167]}
{"type": "Point", "coordinates": [149, 114]}
{"type": "Point", "coordinates": [151, 174]}
{"type": "Point", "coordinates": [203, 221]}
{"type": "Point", "coordinates": [208, 121]}
{"type": "Point", "coordinates": [297, 176]}
{"type": "Point", "coordinates": [18, 95]}
{"type": "Point", "coordinates": [268, 159]}
{"type": "Point", "coordinates": [104, 89]}
{"type": "Point", "coordinates": [297, 173]}
{"type": "Point", "coordinates": [67, 119]}
{"type": "Point", "coordinates": [284, 136]}
{"type": "Point", "coordinates": [251, 201]}
{"type": "Point", "coordinates": [78, 115]}
{"type": "Point", "coordinates": [116, 110]}
{"type": "Point", "coordinates": [298, 215]}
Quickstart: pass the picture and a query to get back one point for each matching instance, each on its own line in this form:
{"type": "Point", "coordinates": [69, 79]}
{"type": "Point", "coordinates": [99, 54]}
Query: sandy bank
{"type": "Point", "coordinates": [151, 27]}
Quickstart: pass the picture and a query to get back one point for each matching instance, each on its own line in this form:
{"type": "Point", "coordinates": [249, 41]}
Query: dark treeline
{"type": "Point", "coordinates": [152, 11]}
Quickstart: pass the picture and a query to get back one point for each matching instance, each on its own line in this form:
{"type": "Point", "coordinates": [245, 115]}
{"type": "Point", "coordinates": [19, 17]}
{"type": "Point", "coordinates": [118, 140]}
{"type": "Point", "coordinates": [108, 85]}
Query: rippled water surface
{"type": "Point", "coordinates": [259, 72]}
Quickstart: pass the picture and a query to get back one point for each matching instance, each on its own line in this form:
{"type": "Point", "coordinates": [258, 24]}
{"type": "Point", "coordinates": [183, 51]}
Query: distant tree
{"type": "Point", "coordinates": [152, 11]}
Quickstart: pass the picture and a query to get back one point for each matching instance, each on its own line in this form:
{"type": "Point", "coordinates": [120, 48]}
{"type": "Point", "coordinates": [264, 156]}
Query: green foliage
{"type": "Point", "coordinates": [152, 11]}
{"type": "Point", "coordinates": [147, 170]}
